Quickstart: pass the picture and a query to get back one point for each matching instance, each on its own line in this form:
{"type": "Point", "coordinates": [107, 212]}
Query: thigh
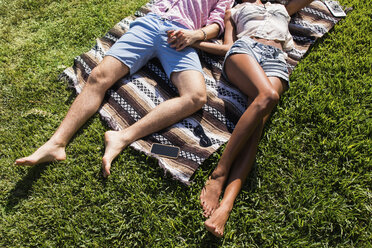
{"type": "Point", "coordinates": [173, 60]}
{"type": "Point", "coordinates": [109, 70]}
{"type": "Point", "coordinates": [178, 61]}
{"type": "Point", "coordinates": [244, 72]}
{"type": "Point", "coordinates": [137, 45]}
{"type": "Point", "coordinates": [189, 83]}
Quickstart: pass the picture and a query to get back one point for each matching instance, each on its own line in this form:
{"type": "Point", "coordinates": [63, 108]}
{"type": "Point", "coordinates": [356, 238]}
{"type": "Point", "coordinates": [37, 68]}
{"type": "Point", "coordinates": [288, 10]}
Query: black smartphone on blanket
{"type": "Point", "coordinates": [165, 150]}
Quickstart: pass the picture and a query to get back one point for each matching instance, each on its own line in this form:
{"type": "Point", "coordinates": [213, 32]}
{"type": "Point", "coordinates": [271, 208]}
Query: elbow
{"type": "Point", "coordinates": [216, 31]}
{"type": "Point", "coordinates": [227, 15]}
{"type": "Point", "coordinates": [225, 48]}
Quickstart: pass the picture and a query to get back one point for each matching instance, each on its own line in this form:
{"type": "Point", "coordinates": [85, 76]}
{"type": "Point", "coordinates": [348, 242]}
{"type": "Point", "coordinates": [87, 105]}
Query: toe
{"type": "Point", "coordinates": [105, 168]}
{"type": "Point", "coordinates": [105, 172]}
{"type": "Point", "coordinates": [207, 212]}
{"type": "Point", "coordinates": [218, 233]}
{"type": "Point", "coordinates": [213, 229]}
{"type": "Point", "coordinates": [23, 161]}
{"type": "Point", "coordinates": [201, 197]}
{"type": "Point", "coordinates": [19, 161]}
{"type": "Point", "coordinates": [203, 203]}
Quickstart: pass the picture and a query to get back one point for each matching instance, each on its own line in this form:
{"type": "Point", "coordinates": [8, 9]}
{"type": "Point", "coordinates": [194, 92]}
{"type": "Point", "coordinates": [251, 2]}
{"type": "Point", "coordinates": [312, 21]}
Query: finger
{"type": "Point", "coordinates": [172, 39]}
{"type": "Point", "coordinates": [177, 33]}
{"type": "Point", "coordinates": [179, 45]}
{"type": "Point", "coordinates": [180, 41]}
{"type": "Point", "coordinates": [183, 46]}
{"type": "Point", "coordinates": [175, 37]}
{"type": "Point", "coordinates": [170, 33]}
{"type": "Point", "coordinates": [174, 43]}
{"type": "Point", "coordinates": [180, 35]}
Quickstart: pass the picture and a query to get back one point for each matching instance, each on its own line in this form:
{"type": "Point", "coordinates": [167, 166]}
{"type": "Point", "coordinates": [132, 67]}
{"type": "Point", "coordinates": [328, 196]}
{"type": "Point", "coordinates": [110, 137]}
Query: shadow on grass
{"type": "Point", "coordinates": [23, 187]}
{"type": "Point", "coordinates": [210, 240]}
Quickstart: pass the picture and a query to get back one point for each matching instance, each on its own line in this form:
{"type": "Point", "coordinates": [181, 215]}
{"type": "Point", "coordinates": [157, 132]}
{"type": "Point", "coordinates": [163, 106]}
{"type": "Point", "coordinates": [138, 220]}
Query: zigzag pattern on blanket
{"type": "Point", "coordinates": [133, 97]}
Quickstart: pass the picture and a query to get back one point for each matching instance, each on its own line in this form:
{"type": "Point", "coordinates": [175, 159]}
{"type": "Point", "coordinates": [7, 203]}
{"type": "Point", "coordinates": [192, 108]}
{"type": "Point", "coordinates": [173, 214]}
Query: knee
{"type": "Point", "coordinates": [273, 97]}
{"type": "Point", "coordinates": [98, 80]}
{"type": "Point", "coordinates": [266, 101]}
{"type": "Point", "coordinates": [197, 100]}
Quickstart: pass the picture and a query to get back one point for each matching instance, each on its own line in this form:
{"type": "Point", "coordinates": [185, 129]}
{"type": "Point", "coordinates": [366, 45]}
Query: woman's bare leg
{"type": "Point", "coordinates": [238, 174]}
{"type": "Point", "coordinates": [239, 170]}
{"type": "Point", "coordinates": [85, 105]}
{"type": "Point", "coordinates": [244, 72]}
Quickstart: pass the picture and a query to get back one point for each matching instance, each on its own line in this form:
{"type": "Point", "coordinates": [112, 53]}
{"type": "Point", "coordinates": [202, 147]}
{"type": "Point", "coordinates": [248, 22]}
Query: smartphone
{"type": "Point", "coordinates": [335, 8]}
{"type": "Point", "coordinates": [165, 150]}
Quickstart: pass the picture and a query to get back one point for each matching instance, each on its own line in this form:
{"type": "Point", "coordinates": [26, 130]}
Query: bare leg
{"type": "Point", "coordinates": [191, 87]}
{"type": "Point", "coordinates": [244, 72]}
{"type": "Point", "coordinates": [210, 194]}
{"type": "Point", "coordinates": [85, 105]}
{"type": "Point", "coordinates": [238, 174]}
{"type": "Point", "coordinates": [241, 167]}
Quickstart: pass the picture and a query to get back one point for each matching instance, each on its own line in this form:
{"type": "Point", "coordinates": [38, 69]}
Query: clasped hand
{"type": "Point", "coordinates": [179, 39]}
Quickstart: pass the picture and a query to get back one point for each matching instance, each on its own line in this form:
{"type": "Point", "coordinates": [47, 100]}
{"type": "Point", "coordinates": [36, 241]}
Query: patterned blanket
{"type": "Point", "coordinates": [201, 134]}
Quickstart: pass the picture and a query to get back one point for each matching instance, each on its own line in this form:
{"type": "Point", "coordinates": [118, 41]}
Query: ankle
{"type": "Point", "coordinates": [57, 142]}
{"type": "Point", "coordinates": [219, 175]}
{"type": "Point", "coordinates": [125, 137]}
{"type": "Point", "coordinates": [119, 138]}
{"type": "Point", "coordinates": [226, 206]}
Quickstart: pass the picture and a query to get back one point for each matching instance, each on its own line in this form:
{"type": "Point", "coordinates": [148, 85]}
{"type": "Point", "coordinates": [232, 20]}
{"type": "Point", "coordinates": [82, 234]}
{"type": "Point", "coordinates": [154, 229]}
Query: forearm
{"type": "Point", "coordinates": [179, 39]}
{"type": "Point", "coordinates": [295, 5]}
{"type": "Point", "coordinates": [209, 31]}
{"type": "Point", "coordinates": [214, 48]}
{"type": "Point", "coordinates": [220, 49]}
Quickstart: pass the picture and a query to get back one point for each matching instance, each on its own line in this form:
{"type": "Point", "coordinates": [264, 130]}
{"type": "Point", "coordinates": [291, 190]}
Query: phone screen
{"type": "Point", "coordinates": [335, 8]}
{"type": "Point", "coordinates": [165, 150]}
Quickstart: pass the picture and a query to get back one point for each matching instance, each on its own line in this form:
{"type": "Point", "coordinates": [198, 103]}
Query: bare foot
{"type": "Point", "coordinates": [210, 195]}
{"type": "Point", "coordinates": [216, 223]}
{"type": "Point", "coordinates": [48, 152]}
{"type": "Point", "coordinates": [114, 143]}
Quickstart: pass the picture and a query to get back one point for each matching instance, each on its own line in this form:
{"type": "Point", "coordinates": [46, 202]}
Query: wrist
{"type": "Point", "coordinates": [203, 35]}
{"type": "Point", "coordinates": [196, 44]}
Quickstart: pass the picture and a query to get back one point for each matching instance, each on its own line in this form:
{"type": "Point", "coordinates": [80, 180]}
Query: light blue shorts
{"type": "Point", "coordinates": [271, 59]}
{"type": "Point", "coordinates": [146, 39]}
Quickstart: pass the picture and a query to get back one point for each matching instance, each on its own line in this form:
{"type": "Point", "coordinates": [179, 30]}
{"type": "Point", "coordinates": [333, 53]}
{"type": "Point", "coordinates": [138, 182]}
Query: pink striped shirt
{"type": "Point", "coordinates": [193, 14]}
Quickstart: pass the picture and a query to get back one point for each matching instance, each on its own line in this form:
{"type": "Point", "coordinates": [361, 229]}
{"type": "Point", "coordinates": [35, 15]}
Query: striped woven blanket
{"type": "Point", "coordinates": [201, 134]}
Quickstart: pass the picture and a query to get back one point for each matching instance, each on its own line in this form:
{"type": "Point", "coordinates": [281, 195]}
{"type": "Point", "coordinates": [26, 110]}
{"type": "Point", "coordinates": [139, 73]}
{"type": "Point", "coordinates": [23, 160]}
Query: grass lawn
{"type": "Point", "coordinates": [311, 185]}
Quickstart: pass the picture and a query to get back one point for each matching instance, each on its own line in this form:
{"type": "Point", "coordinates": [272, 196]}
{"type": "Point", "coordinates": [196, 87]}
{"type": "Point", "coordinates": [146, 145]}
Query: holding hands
{"type": "Point", "coordinates": [179, 39]}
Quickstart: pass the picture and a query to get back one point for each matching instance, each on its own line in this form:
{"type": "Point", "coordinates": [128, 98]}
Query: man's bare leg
{"type": "Point", "coordinates": [85, 105]}
{"type": "Point", "coordinates": [191, 87]}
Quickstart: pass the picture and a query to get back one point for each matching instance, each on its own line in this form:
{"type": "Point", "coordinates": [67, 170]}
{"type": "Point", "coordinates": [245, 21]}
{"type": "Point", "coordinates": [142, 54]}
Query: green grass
{"type": "Point", "coordinates": [311, 186]}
